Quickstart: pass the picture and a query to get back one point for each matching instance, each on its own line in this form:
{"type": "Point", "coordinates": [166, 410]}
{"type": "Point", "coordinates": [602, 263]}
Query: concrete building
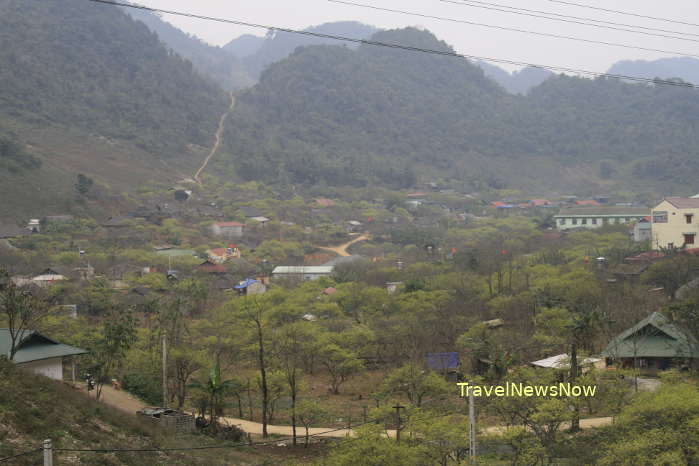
{"type": "Point", "coordinates": [642, 231]}
{"type": "Point", "coordinates": [675, 223]}
{"type": "Point", "coordinates": [228, 229]}
{"type": "Point", "coordinates": [37, 353]}
{"type": "Point", "coordinates": [302, 272]}
{"type": "Point", "coordinates": [596, 217]}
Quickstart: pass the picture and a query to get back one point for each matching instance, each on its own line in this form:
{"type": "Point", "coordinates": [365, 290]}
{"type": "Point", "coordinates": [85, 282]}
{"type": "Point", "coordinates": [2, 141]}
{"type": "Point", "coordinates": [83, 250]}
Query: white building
{"type": "Point", "coordinates": [596, 217]}
{"type": "Point", "coordinates": [302, 272]}
{"type": "Point", "coordinates": [675, 223]}
{"type": "Point", "coordinates": [37, 353]}
{"type": "Point", "coordinates": [228, 229]}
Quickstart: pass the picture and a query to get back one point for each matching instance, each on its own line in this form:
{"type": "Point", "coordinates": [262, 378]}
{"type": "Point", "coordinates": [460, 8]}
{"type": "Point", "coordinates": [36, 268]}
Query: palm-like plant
{"type": "Point", "coordinates": [215, 389]}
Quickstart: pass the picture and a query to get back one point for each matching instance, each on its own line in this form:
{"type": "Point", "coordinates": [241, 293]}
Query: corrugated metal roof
{"type": "Point", "coordinates": [615, 211]}
{"type": "Point", "coordinates": [302, 269]}
{"type": "Point", "coordinates": [562, 361]}
{"type": "Point", "coordinates": [654, 336]}
{"type": "Point", "coordinates": [34, 347]}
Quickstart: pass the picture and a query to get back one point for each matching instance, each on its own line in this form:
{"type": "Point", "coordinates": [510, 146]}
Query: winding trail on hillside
{"type": "Point", "coordinates": [214, 149]}
{"type": "Point", "coordinates": [123, 401]}
{"type": "Point", "coordinates": [341, 250]}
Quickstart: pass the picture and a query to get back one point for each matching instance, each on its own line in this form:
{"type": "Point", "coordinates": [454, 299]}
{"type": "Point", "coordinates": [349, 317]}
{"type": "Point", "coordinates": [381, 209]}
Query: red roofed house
{"type": "Point", "coordinates": [228, 229]}
{"type": "Point", "coordinates": [539, 202]}
{"type": "Point", "coordinates": [323, 202]}
{"type": "Point", "coordinates": [211, 267]}
{"type": "Point", "coordinates": [221, 255]}
{"type": "Point", "coordinates": [590, 202]}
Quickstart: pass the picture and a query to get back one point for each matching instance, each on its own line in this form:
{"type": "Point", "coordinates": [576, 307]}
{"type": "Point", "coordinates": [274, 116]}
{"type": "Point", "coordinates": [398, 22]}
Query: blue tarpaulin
{"type": "Point", "coordinates": [245, 284]}
{"type": "Point", "coordinates": [442, 361]}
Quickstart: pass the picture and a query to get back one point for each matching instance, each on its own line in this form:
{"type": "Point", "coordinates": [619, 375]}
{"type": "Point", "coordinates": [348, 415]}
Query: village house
{"type": "Point", "coordinates": [221, 255]}
{"type": "Point", "coordinates": [562, 362]}
{"type": "Point", "coordinates": [37, 353]}
{"type": "Point", "coordinates": [596, 217]}
{"type": "Point", "coordinates": [652, 345]}
{"type": "Point", "coordinates": [642, 230]}
{"type": "Point", "coordinates": [302, 272]}
{"type": "Point", "coordinates": [228, 229]}
{"type": "Point", "coordinates": [250, 286]}
{"type": "Point", "coordinates": [675, 223]}
{"type": "Point", "coordinates": [12, 231]}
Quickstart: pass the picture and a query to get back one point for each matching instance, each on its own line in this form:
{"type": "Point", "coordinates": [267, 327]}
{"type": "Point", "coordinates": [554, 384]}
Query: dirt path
{"type": "Point", "coordinates": [341, 250]}
{"type": "Point", "coordinates": [219, 132]}
{"type": "Point", "coordinates": [124, 401]}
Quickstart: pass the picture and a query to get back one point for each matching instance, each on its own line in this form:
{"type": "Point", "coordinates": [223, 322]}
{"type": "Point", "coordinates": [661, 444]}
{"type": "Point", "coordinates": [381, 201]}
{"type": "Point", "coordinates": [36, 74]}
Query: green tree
{"type": "Point", "coordinates": [83, 184]}
{"type": "Point", "coordinates": [107, 352]}
{"type": "Point", "coordinates": [21, 311]}
{"type": "Point", "coordinates": [416, 383]}
{"type": "Point", "coordinates": [340, 363]}
{"type": "Point", "coordinates": [662, 427]}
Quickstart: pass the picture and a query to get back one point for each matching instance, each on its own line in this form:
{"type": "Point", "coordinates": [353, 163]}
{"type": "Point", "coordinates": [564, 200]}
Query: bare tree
{"type": "Point", "coordinates": [21, 309]}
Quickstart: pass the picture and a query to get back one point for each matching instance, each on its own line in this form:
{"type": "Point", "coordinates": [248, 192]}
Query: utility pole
{"type": "Point", "coordinates": [48, 453]}
{"type": "Point", "coordinates": [164, 342]}
{"type": "Point", "coordinates": [398, 408]}
{"type": "Point", "coordinates": [471, 427]}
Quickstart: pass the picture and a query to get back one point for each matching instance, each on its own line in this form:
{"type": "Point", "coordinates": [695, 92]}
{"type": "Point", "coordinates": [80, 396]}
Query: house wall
{"type": "Point", "coordinates": [227, 232]}
{"type": "Point", "coordinates": [51, 368]}
{"type": "Point", "coordinates": [673, 230]}
{"type": "Point", "coordinates": [567, 222]}
{"type": "Point", "coordinates": [642, 232]}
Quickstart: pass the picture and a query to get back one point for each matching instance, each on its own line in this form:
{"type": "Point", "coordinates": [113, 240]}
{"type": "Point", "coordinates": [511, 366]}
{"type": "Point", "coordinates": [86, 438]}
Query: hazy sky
{"type": "Point", "coordinates": [468, 39]}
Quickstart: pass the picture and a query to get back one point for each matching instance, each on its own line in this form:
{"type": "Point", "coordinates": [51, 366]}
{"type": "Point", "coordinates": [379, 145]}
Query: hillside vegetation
{"type": "Point", "coordinates": [88, 66]}
{"type": "Point", "coordinates": [352, 116]}
{"type": "Point", "coordinates": [34, 408]}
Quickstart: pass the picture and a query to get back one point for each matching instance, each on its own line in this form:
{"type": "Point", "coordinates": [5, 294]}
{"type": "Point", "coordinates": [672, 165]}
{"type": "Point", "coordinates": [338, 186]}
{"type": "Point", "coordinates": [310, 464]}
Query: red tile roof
{"type": "Point", "coordinates": [683, 202]}
{"type": "Point", "coordinates": [221, 252]}
{"type": "Point", "coordinates": [325, 202]}
{"type": "Point", "coordinates": [588, 202]}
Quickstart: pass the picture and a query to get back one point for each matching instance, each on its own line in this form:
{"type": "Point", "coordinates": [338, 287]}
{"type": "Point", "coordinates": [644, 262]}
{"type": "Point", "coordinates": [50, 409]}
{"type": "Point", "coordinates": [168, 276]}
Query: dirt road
{"type": "Point", "coordinates": [219, 132]}
{"type": "Point", "coordinates": [341, 250]}
{"type": "Point", "coordinates": [125, 402]}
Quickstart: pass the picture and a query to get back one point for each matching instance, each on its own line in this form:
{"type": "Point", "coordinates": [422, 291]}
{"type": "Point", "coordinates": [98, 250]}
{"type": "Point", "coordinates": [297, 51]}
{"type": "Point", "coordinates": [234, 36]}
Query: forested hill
{"type": "Point", "coordinates": [279, 44]}
{"type": "Point", "coordinates": [685, 68]}
{"type": "Point", "coordinates": [222, 67]}
{"type": "Point", "coordinates": [84, 65]}
{"type": "Point", "coordinates": [347, 115]}
{"type": "Point", "coordinates": [352, 116]}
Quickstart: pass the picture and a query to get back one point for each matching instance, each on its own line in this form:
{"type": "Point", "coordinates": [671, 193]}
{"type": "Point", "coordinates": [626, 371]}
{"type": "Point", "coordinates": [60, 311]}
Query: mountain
{"type": "Point", "coordinates": [352, 116]}
{"type": "Point", "coordinates": [337, 115]}
{"type": "Point", "coordinates": [244, 46]}
{"type": "Point", "coordinates": [279, 44]}
{"type": "Point", "coordinates": [517, 82]}
{"type": "Point", "coordinates": [217, 63]}
{"type": "Point", "coordinates": [87, 89]}
{"type": "Point", "coordinates": [685, 68]}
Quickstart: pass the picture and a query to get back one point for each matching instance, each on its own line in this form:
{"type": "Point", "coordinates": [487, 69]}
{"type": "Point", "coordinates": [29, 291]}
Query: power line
{"type": "Point", "coordinates": [577, 19]}
{"type": "Point", "coordinates": [505, 28]}
{"type": "Point", "coordinates": [8, 458]}
{"type": "Point", "coordinates": [560, 69]}
{"type": "Point", "coordinates": [626, 13]}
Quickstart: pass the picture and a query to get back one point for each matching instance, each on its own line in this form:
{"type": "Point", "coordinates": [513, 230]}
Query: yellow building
{"type": "Point", "coordinates": [675, 223]}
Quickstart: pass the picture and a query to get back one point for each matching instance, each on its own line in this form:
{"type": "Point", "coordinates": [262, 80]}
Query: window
{"type": "Point", "coordinates": [660, 216]}
{"type": "Point", "coordinates": [688, 238]}
{"type": "Point", "coordinates": [575, 221]}
{"type": "Point", "coordinates": [584, 221]}
{"type": "Point", "coordinates": [594, 221]}
{"type": "Point", "coordinates": [688, 217]}
{"type": "Point", "coordinates": [561, 221]}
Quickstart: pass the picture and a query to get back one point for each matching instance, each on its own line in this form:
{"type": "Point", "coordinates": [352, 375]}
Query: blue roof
{"type": "Point", "coordinates": [442, 361]}
{"type": "Point", "coordinates": [245, 284]}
